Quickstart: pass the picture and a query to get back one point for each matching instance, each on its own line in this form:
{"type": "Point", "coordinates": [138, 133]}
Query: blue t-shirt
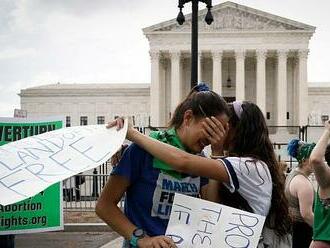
{"type": "Point", "coordinates": [150, 195]}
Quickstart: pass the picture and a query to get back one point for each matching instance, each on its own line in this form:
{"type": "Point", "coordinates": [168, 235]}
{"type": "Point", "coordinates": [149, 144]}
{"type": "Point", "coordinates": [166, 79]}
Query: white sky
{"type": "Point", "coordinates": [101, 41]}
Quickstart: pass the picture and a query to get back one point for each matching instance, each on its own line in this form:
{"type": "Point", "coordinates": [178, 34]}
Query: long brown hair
{"type": "Point", "coordinates": [252, 139]}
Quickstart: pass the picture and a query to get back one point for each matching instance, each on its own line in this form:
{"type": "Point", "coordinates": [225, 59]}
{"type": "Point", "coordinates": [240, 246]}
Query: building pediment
{"type": "Point", "coordinates": [230, 16]}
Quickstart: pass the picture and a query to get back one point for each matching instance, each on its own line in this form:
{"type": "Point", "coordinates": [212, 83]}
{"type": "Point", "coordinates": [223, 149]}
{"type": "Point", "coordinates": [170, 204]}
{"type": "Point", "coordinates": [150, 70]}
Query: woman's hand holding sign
{"type": "Point", "coordinates": [119, 123]}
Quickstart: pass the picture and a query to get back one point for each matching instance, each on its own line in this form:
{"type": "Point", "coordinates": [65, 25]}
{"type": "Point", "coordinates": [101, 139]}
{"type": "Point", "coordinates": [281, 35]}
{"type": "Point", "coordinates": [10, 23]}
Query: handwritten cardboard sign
{"type": "Point", "coordinates": [199, 223]}
{"type": "Point", "coordinates": [30, 165]}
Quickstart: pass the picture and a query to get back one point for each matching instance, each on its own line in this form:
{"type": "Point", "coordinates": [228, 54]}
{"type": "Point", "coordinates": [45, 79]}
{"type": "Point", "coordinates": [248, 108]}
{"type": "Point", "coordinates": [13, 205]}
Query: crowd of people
{"type": "Point", "coordinates": [242, 172]}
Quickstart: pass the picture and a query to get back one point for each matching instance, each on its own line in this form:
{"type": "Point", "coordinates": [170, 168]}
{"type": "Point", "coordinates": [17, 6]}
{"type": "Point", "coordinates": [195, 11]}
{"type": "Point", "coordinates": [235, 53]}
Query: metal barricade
{"type": "Point", "coordinates": [312, 133]}
{"type": "Point", "coordinates": [81, 192]}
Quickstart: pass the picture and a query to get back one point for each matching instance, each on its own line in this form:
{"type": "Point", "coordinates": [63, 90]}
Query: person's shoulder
{"type": "Point", "coordinates": [239, 160]}
{"type": "Point", "coordinates": [135, 149]}
{"type": "Point", "coordinates": [301, 182]}
{"type": "Point", "coordinates": [137, 152]}
{"type": "Point", "coordinates": [247, 161]}
{"type": "Point", "coordinates": [251, 167]}
{"type": "Point", "coordinates": [132, 163]}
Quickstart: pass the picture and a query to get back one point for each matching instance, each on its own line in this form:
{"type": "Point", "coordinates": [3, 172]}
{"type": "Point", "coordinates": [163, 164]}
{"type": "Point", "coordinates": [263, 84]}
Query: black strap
{"type": "Point", "coordinates": [234, 200]}
{"type": "Point", "coordinates": [232, 173]}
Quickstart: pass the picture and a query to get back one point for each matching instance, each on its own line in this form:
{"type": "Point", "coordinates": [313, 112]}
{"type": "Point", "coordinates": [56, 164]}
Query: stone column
{"type": "Point", "coordinates": [155, 92]}
{"type": "Point", "coordinates": [282, 87]}
{"type": "Point", "coordinates": [261, 80]}
{"type": "Point", "coordinates": [296, 91]}
{"type": "Point", "coordinates": [302, 88]}
{"type": "Point", "coordinates": [217, 72]}
{"type": "Point", "coordinates": [199, 67]}
{"type": "Point", "coordinates": [240, 75]}
{"type": "Point", "coordinates": [175, 79]}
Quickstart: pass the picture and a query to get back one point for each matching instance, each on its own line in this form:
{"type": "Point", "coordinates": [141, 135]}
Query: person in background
{"type": "Point", "coordinates": [320, 161]}
{"type": "Point", "coordinates": [150, 184]}
{"type": "Point", "coordinates": [251, 170]}
{"type": "Point", "coordinates": [300, 193]}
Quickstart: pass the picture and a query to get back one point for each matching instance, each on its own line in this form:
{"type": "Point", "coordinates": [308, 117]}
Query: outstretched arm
{"type": "Point", "coordinates": [178, 159]}
{"type": "Point", "coordinates": [212, 191]}
{"type": "Point", "coordinates": [321, 169]}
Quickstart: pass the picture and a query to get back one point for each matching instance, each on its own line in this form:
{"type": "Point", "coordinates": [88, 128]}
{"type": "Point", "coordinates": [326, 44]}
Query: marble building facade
{"type": "Point", "coordinates": [246, 54]}
{"type": "Point", "coordinates": [263, 56]}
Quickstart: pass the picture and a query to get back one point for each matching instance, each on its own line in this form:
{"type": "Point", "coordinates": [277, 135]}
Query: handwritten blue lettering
{"type": "Point", "coordinates": [183, 212]}
{"type": "Point", "coordinates": [237, 241]}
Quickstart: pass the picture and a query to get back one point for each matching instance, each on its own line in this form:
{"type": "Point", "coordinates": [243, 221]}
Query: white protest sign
{"type": "Point", "coordinates": [199, 223]}
{"type": "Point", "coordinates": [30, 165]}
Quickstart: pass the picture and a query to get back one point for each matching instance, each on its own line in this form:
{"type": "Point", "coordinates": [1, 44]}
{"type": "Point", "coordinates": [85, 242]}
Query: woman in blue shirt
{"type": "Point", "coordinates": [149, 183]}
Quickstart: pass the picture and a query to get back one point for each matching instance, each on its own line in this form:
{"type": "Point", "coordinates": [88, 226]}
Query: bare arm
{"type": "Point", "coordinates": [107, 209]}
{"type": "Point", "coordinates": [212, 192]}
{"type": "Point", "coordinates": [305, 194]}
{"type": "Point", "coordinates": [321, 169]}
{"type": "Point", "coordinates": [107, 206]}
{"type": "Point", "coordinates": [180, 160]}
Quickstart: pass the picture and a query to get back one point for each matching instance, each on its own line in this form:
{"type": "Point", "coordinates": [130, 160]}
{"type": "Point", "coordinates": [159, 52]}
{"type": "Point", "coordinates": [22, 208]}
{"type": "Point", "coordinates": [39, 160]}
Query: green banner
{"type": "Point", "coordinates": [15, 131]}
{"type": "Point", "coordinates": [44, 211]}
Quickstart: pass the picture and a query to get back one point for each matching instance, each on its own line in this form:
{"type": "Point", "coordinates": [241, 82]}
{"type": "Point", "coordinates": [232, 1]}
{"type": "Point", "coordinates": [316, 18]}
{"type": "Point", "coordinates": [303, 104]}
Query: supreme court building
{"type": "Point", "coordinates": [245, 54]}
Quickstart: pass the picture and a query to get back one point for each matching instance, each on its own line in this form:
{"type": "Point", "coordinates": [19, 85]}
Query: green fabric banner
{"type": "Point", "coordinates": [44, 211]}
